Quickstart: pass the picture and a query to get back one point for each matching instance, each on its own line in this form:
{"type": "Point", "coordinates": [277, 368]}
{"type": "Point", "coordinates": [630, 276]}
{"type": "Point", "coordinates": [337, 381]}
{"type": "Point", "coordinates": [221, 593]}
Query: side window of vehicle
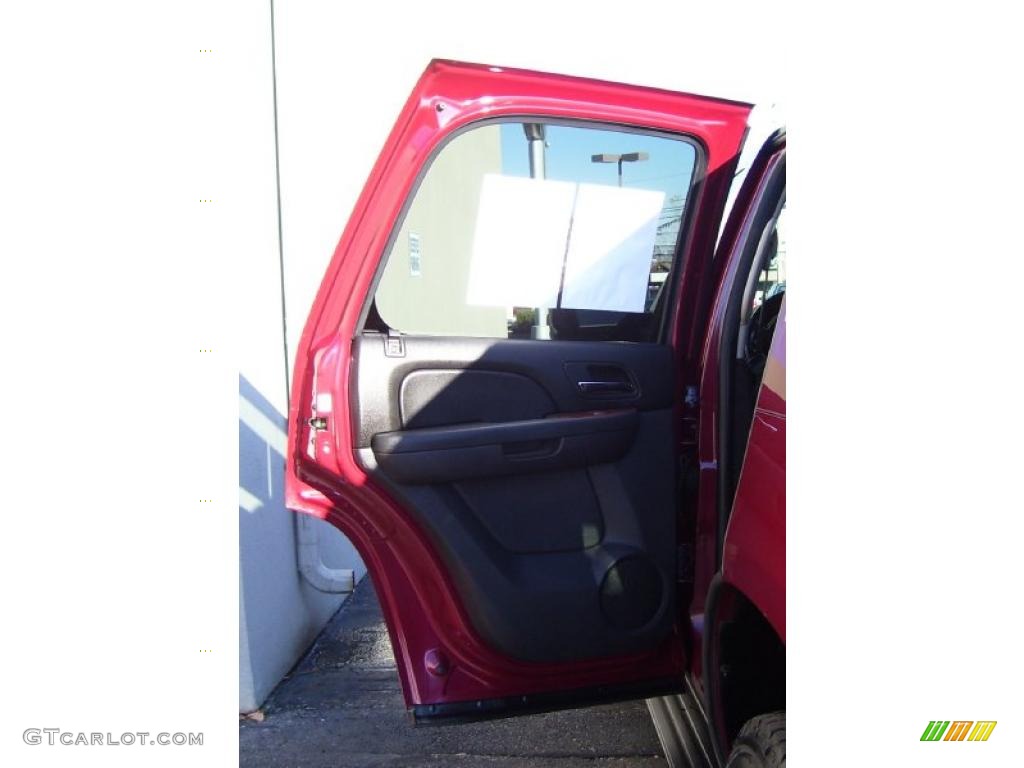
{"type": "Point", "coordinates": [768, 294]}
{"type": "Point", "coordinates": [539, 230]}
{"type": "Point", "coordinates": [772, 280]}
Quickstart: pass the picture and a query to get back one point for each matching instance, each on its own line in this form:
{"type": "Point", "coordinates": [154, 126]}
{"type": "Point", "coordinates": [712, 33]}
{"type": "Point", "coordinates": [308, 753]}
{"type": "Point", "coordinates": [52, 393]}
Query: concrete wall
{"type": "Point", "coordinates": [279, 613]}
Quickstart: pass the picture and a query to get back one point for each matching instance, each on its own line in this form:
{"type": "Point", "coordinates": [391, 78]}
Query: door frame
{"type": "Point", "coordinates": [424, 616]}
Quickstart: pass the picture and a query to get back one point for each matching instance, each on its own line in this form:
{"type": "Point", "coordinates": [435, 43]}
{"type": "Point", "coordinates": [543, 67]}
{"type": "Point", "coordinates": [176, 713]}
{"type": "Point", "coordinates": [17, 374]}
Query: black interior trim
{"type": "Point", "coordinates": [471, 435]}
{"type": "Point", "coordinates": [731, 444]}
{"type": "Point", "coordinates": [549, 505]}
{"type": "Point", "coordinates": [547, 381]}
{"type": "Point", "coordinates": [710, 667]}
{"type": "Point", "coordinates": [445, 454]}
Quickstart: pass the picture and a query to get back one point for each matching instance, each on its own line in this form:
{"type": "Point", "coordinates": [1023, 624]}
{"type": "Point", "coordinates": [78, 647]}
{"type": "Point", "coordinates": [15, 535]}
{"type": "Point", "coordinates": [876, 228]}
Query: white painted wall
{"type": "Point", "coordinates": [279, 613]}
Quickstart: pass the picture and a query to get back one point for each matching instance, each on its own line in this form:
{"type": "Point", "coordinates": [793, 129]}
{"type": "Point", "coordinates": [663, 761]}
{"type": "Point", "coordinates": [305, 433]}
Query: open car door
{"type": "Point", "coordinates": [489, 391]}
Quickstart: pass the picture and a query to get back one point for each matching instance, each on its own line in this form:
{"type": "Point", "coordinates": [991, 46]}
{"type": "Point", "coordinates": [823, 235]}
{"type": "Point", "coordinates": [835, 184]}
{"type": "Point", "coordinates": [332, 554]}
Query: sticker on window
{"type": "Point", "coordinates": [414, 254]}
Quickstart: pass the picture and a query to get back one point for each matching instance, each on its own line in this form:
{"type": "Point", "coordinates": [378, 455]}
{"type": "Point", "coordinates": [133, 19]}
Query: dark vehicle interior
{"type": "Point", "coordinates": [542, 471]}
{"type": "Point", "coordinates": [754, 303]}
{"type": "Point", "coordinates": [542, 467]}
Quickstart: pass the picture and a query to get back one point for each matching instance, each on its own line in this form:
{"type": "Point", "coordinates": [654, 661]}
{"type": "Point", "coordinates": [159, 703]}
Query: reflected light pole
{"type": "Point", "coordinates": [535, 139]}
{"type": "Point", "coordinates": [628, 157]}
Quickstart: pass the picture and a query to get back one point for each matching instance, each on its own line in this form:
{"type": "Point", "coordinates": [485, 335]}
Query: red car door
{"type": "Point", "coordinates": [754, 550]}
{"type": "Point", "coordinates": [488, 391]}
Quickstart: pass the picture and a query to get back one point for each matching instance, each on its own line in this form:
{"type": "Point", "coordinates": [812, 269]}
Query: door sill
{"type": "Point", "coordinates": [454, 713]}
{"type": "Point", "coordinates": [682, 730]}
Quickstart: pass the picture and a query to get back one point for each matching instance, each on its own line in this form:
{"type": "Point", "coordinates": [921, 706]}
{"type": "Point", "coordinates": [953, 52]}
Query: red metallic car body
{"type": "Point", "coordinates": [442, 658]}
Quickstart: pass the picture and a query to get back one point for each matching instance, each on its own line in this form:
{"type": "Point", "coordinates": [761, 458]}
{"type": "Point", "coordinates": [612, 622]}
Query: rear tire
{"type": "Point", "coordinates": [761, 743]}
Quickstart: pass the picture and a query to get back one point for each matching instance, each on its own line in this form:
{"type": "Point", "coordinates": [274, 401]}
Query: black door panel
{"type": "Point", "coordinates": [555, 367]}
{"type": "Point", "coordinates": [551, 503]}
{"type": "Point", "coordinates": [489, 449]}
{"type": "Point", "coordinates": [431, 398]}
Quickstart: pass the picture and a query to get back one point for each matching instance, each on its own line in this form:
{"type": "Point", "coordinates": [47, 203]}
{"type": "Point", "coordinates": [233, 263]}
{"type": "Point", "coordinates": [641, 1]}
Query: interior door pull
{"type": "Point", "coordinates": [592, 387]}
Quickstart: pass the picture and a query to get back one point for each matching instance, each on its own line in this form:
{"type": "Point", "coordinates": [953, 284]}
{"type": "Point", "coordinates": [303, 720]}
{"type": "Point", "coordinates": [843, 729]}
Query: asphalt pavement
{"type": "Point", "coordinates": [342, 707]}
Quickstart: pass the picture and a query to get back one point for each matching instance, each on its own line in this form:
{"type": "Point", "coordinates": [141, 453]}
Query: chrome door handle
{"type": "Point", "coordinates": [597, 387]}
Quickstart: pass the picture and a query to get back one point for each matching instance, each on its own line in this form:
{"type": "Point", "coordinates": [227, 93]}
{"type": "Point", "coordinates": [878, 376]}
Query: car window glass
{"type": "Point", "coordinates": [528, 230]}
{"type": "Point", "coordinates": [772, 280]}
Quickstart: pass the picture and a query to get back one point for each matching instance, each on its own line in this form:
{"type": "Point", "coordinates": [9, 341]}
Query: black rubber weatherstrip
{"type": "Point", "coordinates": [709, 668]}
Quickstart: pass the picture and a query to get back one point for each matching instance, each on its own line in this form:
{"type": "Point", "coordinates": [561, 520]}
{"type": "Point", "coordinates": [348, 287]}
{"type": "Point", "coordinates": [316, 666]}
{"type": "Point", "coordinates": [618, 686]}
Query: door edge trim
{"type": "Point", "coordinates": [457, 712]}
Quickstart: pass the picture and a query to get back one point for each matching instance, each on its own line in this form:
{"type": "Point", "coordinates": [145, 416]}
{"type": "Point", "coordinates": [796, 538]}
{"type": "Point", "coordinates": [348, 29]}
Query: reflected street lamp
{"type": "Point", "coordinates": [629, 157]}
{"type": "Point", "coordinates": [535, 139]}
